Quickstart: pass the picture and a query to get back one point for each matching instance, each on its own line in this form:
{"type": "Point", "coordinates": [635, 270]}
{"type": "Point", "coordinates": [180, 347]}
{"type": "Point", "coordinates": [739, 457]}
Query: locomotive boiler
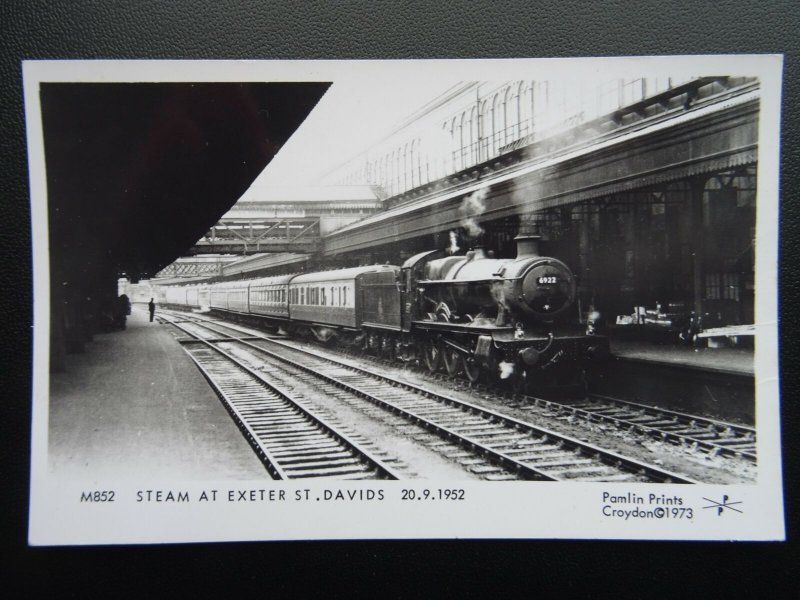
{"type": "Point", "coordinates": [504, 317]}
{"type": "Point", "coordinates": [527, 287]}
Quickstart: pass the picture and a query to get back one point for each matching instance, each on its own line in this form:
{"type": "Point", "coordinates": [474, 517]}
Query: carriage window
{"type": "Point", "coordinates": [345, 296]}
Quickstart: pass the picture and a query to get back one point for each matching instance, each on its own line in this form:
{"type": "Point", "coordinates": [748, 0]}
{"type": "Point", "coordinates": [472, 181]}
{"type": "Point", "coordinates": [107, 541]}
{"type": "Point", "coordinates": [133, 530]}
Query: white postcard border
{"type": "Point", "coordinates": [492, 510]}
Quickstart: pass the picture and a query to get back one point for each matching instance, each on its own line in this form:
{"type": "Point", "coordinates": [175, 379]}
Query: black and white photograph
{"type": "Point", "coordinates": [371, 299]}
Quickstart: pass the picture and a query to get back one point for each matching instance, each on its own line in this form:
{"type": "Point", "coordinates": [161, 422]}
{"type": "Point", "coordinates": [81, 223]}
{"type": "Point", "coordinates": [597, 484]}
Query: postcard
{"type": "Point", "coordinates": [291, 300]}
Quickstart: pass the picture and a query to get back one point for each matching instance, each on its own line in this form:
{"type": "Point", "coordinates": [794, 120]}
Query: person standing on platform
{"type": "Point", "coordinates": [152, 306]}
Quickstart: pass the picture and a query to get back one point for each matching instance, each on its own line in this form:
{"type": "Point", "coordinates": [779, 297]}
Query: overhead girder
{"type": "Point", "coordinates": [238, 236]}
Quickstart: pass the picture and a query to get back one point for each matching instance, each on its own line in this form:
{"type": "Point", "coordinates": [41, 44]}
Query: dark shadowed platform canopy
{"type": "Point", "coordinates": [137, 172]}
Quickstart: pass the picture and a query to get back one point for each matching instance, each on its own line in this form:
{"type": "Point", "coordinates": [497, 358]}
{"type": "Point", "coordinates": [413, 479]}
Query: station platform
{"type": "Point", "coordinates": [734, 361]}
{"type": "Point", "coordinates": [134, 405]}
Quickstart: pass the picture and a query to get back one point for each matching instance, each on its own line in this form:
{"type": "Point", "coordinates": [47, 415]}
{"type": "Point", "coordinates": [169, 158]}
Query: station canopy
{"type": "Point", "coordinates": [137, 172]}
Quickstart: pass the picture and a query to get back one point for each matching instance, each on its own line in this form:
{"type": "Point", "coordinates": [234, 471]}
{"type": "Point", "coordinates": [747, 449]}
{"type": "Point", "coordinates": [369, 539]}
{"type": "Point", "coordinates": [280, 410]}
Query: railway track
{"type": "Point", "coordinates": [508, 445]}
{"type": "Point", "coordinates": [717, 438]}
{"type": "Point", "coordinates": [693, 432]}
{"type": "Point", "coordinates": [292, 442]}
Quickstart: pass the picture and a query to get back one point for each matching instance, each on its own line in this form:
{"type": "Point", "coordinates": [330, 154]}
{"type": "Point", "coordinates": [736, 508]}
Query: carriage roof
{"type": "Point", "coordinates": [343, 274]}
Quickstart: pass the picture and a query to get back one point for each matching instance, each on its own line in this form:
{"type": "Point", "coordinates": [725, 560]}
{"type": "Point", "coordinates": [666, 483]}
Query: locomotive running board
{"type": "Point", "coordinates": [248, 338]}
{"type": "Point", "coordinates": [459, 327]}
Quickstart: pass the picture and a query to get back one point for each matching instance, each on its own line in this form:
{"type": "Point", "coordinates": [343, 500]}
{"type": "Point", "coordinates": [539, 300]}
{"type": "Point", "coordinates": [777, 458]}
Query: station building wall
{"type": "Point", "coordinates": [687, 246]}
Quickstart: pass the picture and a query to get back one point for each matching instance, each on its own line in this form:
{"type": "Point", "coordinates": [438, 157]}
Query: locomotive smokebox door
{"type": "Point", "coordinates": [548, 289]}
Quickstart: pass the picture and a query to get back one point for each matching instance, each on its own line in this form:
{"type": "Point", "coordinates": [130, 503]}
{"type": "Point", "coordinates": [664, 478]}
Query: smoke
{"type": "Point", "coordinates": [506, 369]}
{"type": "Point", "coordinates": [453, 243]}
{"type": "Point", "coordinates": [472, 207]}
{"type": "Point", "coordinates": [530, 221]}
{"type": "Point", "coordinates": [499, 295]}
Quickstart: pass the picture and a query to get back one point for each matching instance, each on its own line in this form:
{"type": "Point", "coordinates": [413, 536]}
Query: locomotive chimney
{"type": "Point", "coordinates": [527, 245]}
{"type": "Point", "coordinates": [476, 253]}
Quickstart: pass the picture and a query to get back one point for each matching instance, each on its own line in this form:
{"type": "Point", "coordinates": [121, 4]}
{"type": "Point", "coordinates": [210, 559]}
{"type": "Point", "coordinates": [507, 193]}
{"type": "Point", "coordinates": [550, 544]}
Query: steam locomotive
{"type": "Point", "coordinates": [473, 314]}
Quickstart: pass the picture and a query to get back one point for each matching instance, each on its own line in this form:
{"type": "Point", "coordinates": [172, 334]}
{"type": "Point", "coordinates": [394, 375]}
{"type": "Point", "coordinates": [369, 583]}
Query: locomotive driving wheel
{"type": "Point", "coordinates": [433, 356]}
{"type": "Point", "coordinates": [472, 369]}
{"type": "Point", "coordinates": [452, 360]}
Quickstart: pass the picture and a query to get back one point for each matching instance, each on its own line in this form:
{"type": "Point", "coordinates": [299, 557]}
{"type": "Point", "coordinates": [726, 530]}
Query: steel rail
{"type": "Point", "coordinates": [724, 432]}
{"type": "Point", "coordinates": [581, 448]}
{"type": "Point", "coordinates": [272, 462]}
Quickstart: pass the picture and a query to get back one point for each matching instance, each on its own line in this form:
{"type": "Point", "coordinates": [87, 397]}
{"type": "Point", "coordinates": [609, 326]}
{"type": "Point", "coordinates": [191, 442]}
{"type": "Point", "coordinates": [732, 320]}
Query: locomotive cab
{"type": "Point", "coordinates": [411, 300]}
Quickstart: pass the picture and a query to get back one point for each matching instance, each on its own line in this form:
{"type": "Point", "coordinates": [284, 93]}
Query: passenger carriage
{"type": "Point", "coordinates": [269, 296]}
{"type": "Point", "coordinates": [345, 298]}
{"type": "Point", "coordinates": [230, 296]}
{"type": "Point", "coordinates": [175, 295]}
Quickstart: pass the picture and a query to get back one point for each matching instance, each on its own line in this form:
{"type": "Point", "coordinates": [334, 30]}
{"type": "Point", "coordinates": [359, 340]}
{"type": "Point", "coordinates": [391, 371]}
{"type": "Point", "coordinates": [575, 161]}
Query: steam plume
{"type": "Point", "coordinates": [506, 369]}
{"type": "Point", "coordinates": [453, 243]}
{"type": "Point", "coordinates": [472, 207]}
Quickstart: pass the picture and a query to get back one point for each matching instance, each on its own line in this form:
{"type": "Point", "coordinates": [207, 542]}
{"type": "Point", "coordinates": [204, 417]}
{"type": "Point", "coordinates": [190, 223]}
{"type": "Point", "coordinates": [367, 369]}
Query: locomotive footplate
{"type": "Point", "coordinates": [543, 350]}
{"type": "Point", "coordinates": [472, 328]}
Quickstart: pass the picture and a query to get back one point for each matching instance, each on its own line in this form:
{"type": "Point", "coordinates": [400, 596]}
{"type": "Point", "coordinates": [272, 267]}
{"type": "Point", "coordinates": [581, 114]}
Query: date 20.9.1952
{"type": "Point", "coordinates": [433, 494]}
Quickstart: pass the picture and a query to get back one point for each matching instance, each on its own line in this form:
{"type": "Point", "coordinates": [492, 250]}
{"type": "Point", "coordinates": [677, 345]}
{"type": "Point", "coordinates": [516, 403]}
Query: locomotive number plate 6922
{"type": "Point", "coordinates": [547, 280]}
